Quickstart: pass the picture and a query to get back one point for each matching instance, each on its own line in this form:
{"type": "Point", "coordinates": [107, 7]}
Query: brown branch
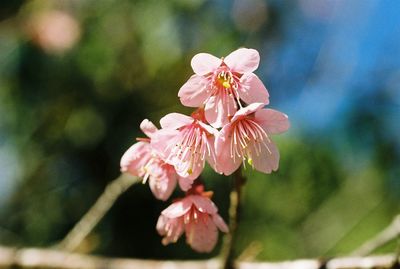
{"type": "Point", "coordinates": [45, 258]}
{"type": "Point", "coordinates": [390, 233]}
{"type": "Point", "coordinates": [234, 215]}
{"type": "Point", "coordinates": [86, 224]}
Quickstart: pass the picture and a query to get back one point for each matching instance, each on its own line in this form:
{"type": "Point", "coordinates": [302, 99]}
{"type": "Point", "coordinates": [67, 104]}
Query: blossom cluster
{"type": "Point", "coordinates": [229, 127]}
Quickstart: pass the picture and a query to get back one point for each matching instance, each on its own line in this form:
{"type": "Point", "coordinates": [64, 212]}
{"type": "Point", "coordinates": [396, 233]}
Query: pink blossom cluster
{"type": "Point", "coordinates": [229, 127]}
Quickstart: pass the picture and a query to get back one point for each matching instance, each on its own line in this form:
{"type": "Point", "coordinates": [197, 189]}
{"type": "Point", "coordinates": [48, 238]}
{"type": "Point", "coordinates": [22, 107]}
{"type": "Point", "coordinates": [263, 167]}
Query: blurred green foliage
{"type": "Point", "coordinates": [68, 115]}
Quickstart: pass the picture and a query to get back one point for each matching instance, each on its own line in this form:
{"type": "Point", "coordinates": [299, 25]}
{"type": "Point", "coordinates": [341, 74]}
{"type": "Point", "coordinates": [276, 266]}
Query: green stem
{"type": "Point", "coordinates": [234, 215]}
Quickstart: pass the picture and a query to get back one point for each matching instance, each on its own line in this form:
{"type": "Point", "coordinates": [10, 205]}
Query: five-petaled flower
{"type": "Point", "coordinates": [197, 216]}
{"type": "Point", "coordinates": [247, 138]}
{"type": "Point", "coordinates": [220, 84]}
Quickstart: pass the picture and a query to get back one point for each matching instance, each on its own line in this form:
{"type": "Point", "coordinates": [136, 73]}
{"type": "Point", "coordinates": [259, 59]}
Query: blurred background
{"type": "Point", "coordinates": [77, 78]}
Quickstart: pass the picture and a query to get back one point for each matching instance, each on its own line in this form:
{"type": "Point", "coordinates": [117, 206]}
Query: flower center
{"type": "Point", "coordinates": [225, 79]}
{"type": "Point", "coordinates": [224, 83]}
{"type": "Point", "coordinates": [194, 216]}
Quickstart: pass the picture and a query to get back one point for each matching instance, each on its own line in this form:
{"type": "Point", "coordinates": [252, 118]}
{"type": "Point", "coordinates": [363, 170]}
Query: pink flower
{"type": "Point", "coordinates": [142, 161]}
{"type": "Point", "coordinates": [219, 84]}
{"type": "Point", "coordinates": [197, 216]}
{"type": "Point", "coordinates": [247, 137]}
{"type": "Point", "coordinates": [186, 143]}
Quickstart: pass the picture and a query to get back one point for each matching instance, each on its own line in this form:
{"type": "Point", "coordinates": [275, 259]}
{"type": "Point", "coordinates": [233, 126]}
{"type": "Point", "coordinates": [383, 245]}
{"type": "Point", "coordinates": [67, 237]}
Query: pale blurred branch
{"type": "Point", "coordinates": [388, 234]}
{"type": "Point", "coordinates": [46, 258]}
{"type": "Point", "coordinates": [86, 224]}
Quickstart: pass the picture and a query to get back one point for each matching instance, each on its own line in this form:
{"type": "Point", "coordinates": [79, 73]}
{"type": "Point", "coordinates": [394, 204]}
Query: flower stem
{"type": "Point", "coordinates": [87, 223]}
{"type": "Point", "coordinates": [234, 215]}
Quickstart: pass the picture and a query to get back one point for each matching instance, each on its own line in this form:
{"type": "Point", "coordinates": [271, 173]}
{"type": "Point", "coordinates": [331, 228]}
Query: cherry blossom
{"type": "Point", "coordinates": [197, 216]}
{"type": "Point", "coordinates": [247, 138]}
{"type": "Point", "coordinates": [220, 84]}
{"type": "Point", "coordinates": [186, 143]}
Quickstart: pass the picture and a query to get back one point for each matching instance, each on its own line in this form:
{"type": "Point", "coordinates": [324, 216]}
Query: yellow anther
{"type": "Point", "coordinates": [190, 171]}
{"type": "Point", "coordinates": [226, 84]}
{"type": "Point", "coordinates": [250, 161]}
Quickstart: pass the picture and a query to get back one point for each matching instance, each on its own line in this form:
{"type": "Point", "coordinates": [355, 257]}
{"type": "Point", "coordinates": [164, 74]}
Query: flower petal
{"type": "Point", "coordinates": [219, 108]}
{"type": "Point", "coordinates": [135, 158]}
{"type": "Point", "coordinates": [178, 208]}
{"type": "Point", "coordinates": [247, 110]}
{"type": "Point", "coordinates": [175, 121]}
{"type": "Point", "coordinates": [204, 63]}
{"type": "Point", "coordinates": [211, 130]}
{"type": "Point", "coordinates": [203, 204]}
{"type": "Point", "coordinates": [193, 93]}
{"type": "Point", "coordinates": [252, 90]}
{"type": "Point", "coordinates": [272, 121]}
{"type": "Point", "coordinates": [172, 229]}
{"type": "Point", "coordinates": [185, 183]}
{"type": "Point", "coordinates": [196, 168]}
{"type": "Point", "coordinates": [148, 127]}
{"type": "Point", "coordinates": [243, 60]}
{"type": "Point", "coordinates": [202, 235]}
{"type": "Point", "coordinates": [164, 183]}
{"type": "Point", "coordinates": [211, 156]}
{"type": "Point", "coordinates": [227, 164]}
{"type": "Point", "coordinates": [268, 159]}
{"type": "Point", "coordinates": [162, 140]}
{"type": "Point", "coordinates": [220, 223]}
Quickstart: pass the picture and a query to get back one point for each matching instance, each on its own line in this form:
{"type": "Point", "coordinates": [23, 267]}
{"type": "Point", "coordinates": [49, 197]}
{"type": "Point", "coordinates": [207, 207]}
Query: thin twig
{"type": "Point", "coordinates": [86, 224]}
{"type": "Point", "coordinates": [390, 233]}
{"type": "Point", "coordinates": [47, 258]}
{"type": "Point", "coordinates": [234, 215]}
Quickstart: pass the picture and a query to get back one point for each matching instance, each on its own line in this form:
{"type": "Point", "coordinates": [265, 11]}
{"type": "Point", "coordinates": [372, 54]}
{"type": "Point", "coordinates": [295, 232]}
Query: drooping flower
{"type": "Point", "coordinates": [142, 161]}
{"type": "Point", "coordinates": [247, 138]}
{"type": "Point", "coordinates": [220, 84]}
{"type": "Point", "coordinates": [197, 216]}
{"type": "Point", "coordinates": [186, 143]}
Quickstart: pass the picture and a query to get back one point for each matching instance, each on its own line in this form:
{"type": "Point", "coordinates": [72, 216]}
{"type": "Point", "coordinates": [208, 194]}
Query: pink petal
{"type": "Point", "coordinates": [247, 110]}
{"type": "Point", "coordinates": [163, 185]}
{"type": "Point", "coordinates": [161, 223]}
{"type": "Point", "coordinates": [211, 130]}
{"type": "Point", "coordinates": [227, 164]}
{"type": "Point", "coordinates": [135, 158]}
{"type": "Point", "coordinates": [252, 90]}
{"type": "Point", "coordinates": [212, 157]}
{"type": "Point", "coordinates": [202, 236]}
{"type": "Point", "coordinates": [272, 121]}
{"type": "Point", "coordinates": [175, 121]}
{"type": "Point", "coordinates": [185, 183]}
{"type": "Point", "coordinates": [172, 229]}
{"type": "Point", "coordinates": [148, 127]}
{"type": "Point", "coordinates": [204, 63]}
{"type": "Point", "coordinates": [268, 160]}
{"type": "Point", "coordinates": [220, 223]}
{"type": "Point", "coordinates": [178, 208]}
{"type": "Point", "coordinates": [193, 93]}
{"type": "Point", "coordinates": [162, 140]}
{"type": "Point", "coordinates": [197, 168]}
{"type": "Point", "coordinates": [219, 108]}
{"type": "Point", "coordinates": [203, 204]}
{"type": "Point", "coordinates": [243, 60]}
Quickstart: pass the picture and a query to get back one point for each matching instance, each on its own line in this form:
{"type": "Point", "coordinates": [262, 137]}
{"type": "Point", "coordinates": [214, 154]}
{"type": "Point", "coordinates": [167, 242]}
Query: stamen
{"type": "Point", "coordinates": [247, 140]}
